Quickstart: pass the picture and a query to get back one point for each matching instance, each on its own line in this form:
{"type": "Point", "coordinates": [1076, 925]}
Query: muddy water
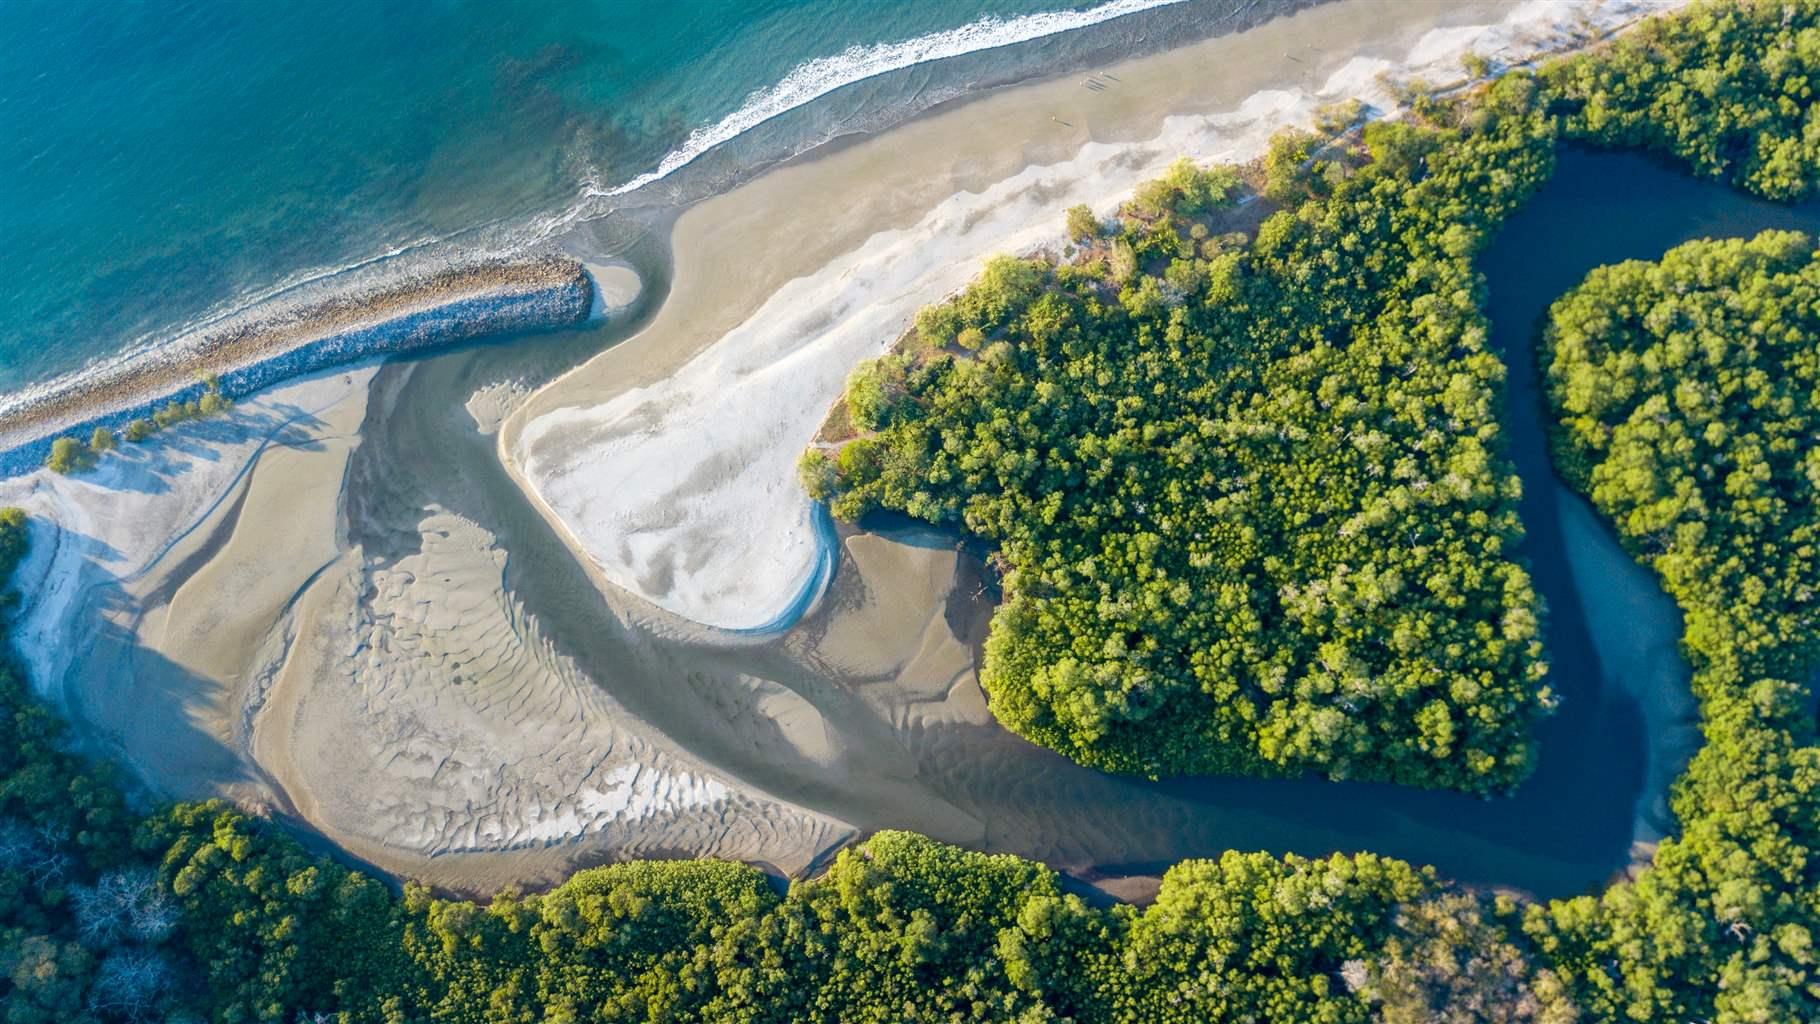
{"type": "Point", "coordinates": [914, 750]}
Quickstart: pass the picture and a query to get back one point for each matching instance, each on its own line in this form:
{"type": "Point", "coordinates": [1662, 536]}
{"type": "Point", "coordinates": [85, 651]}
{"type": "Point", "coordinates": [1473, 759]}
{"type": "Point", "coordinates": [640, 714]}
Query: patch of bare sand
{"type": "Point", "coordinates": [191, 606]}
{"type": "Point", "coordinates": [424, 714]}
{"type": "Point", "coordinates": [127, 625]}
{"type": "Point", "coordinates": [173, 699]}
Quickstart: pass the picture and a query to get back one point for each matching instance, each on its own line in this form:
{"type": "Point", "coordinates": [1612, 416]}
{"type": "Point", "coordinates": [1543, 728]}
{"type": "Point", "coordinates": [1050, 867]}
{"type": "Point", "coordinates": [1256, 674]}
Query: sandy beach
{"type": "Point", "coordinates": [406, 712]}
{"type": "Point", "coordinates": [670, 460]}
{"type": "Point", "coordinates": [337, 606]}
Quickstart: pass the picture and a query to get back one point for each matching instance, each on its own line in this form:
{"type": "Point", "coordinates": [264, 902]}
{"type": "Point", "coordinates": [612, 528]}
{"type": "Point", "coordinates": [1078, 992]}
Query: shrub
{"type": "Point", "coordinates": [69, 455]}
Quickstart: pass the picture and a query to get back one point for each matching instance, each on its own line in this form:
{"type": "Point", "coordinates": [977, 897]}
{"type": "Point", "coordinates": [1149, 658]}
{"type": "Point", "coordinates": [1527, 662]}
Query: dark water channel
{"type": "Point", "coordinates": [1625, 725]}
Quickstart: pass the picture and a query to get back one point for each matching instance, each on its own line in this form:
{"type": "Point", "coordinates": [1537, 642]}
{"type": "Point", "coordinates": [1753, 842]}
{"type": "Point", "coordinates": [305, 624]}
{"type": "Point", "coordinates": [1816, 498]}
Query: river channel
{"type": "Point", "coordinates": [1624, 729]}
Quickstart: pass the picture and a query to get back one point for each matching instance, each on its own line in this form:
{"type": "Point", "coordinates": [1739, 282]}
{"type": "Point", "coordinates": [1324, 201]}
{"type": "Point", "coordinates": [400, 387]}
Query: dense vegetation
{"type": "Point", "coordinates": [1726, 87]}
{"type": "Point", "coordinates": [1251, 499]}
{"type": "Point", "coordinates": [1686, 394]}
{"type": "Point", "coordinates": [1688, 397]}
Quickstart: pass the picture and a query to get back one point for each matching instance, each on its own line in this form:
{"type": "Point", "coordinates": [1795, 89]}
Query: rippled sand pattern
{"type": "Point", "coordinates": [467, 731]}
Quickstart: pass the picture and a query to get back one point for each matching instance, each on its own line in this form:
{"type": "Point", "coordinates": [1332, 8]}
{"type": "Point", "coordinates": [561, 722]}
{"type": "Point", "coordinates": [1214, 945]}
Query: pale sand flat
{"type": "Point", "coordinates": [424, 715]}
{"type": "Point", "coordinates": [179, 718]}
{"type": "Point", "coordinates": [112, 548]}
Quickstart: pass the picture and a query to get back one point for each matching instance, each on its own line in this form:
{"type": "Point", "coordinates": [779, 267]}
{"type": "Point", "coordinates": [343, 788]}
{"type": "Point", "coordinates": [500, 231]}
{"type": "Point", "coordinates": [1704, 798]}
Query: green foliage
{"type": "Point", "coordinates": [875, 390]}
{"type": "Point", "coordinates": [1399, 147]}
{"type": "Point", "coordinates": [1004, 287]}
{"type": "Point", "coordinates": [69, 455]}
{"type": "Point", "coordinates": [817, 472]}
{"type": "Point", "coordinates": [272, 928]}
{"type": "Point", "coordinates": [1256, 511]}
{"type": "Point", "coordinates": [211, 402]}
{"type": "Point", "coordinates": [1688, 397]}
{"type": "Point", "coordinates": [1454, 958]}
{"type": "Point", "coordinates": [1083, 226]}
{"type": "Point", "coordinates": [1288, 176]}
{"type": "Point", "coordinates": [1251, 937]}
{"type": "Point", "coordinates": [1185, 191]}
{"type": "Point", "coordinates": [14, 532]}
{"type": "Point", "coordinates": [1727, 87]}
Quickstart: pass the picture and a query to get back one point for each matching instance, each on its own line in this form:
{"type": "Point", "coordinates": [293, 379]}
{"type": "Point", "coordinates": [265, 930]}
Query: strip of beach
{"type": "Point", "coordinates": [669, 461]}
{"type": "Point", "coordinates": [412, 711]}
{"type": "Point", "coordinates": [278, 342]}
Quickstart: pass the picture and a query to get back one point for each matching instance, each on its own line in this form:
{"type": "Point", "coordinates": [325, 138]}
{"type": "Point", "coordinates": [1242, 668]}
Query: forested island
{"type": "Point", "coordinates": [1239, 456]}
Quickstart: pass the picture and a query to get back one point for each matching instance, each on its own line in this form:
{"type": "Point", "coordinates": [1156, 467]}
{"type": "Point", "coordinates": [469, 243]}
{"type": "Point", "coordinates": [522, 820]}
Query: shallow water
{"type": "Point", "coordinates": [1611, 633]}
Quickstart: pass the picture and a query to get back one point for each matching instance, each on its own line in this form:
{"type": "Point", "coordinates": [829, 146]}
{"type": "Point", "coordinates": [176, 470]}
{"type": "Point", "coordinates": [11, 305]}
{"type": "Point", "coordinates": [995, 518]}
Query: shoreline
{"type": "Point", "coordinates": [691, 428]}
{"type": "Point", "coordinates": [257, 353]}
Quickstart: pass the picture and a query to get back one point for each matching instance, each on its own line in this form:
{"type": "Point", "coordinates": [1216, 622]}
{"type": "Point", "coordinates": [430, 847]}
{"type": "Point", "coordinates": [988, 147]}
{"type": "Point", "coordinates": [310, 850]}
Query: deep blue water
{"type": "Point", "coordinates": [160, 161]}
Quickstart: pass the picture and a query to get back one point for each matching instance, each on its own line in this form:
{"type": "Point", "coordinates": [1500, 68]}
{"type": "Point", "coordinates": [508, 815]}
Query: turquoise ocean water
{"type": "Point", "coordinates": [164, 162]}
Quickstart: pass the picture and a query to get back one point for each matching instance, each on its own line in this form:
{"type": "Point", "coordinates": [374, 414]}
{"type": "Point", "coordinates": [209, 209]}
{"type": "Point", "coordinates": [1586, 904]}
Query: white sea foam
{"type": "Point", "coordinates": [685, 491]}
{"type": "Point", "coordinates": [816, 78]}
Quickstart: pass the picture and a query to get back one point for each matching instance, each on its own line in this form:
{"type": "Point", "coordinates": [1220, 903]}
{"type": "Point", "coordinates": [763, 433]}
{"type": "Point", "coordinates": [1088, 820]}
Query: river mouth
{"type": "Point", "coordinates": [884, 668]}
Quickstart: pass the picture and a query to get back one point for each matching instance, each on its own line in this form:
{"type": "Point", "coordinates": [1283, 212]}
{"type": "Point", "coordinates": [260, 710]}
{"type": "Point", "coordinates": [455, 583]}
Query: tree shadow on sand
{"type": "Point", "coordinates": [154, 465]}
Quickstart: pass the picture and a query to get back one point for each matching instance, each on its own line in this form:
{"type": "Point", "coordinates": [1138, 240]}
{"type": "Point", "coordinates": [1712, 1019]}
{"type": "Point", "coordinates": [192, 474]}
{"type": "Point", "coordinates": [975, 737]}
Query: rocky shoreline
{"type": "Point", "coordinates": [246, 356]}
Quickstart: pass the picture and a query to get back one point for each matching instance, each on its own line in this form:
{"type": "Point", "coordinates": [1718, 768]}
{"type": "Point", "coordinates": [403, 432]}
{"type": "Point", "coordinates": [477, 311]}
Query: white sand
{"type": "Point", "coordinates": [616, 287]}
{"type": "Point", "coordinates": [112, 525]}
{"type": "Point", "coordinates": [683, 490]}
{"type": "Point", "coordinates": [193, 609]}
{"type": "Point", "coordinates": [490, 404]}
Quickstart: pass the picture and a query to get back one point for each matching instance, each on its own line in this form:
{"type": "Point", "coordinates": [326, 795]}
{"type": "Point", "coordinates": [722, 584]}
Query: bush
{"type": "Point", "coordinates": [69, 455]}
{"type": "Point", "coordinates": [1083, 226]}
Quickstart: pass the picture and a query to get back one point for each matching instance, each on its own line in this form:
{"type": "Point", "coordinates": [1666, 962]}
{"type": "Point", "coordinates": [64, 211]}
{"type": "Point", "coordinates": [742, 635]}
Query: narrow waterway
{"type": "Point", "coordinates": [1624, 729]}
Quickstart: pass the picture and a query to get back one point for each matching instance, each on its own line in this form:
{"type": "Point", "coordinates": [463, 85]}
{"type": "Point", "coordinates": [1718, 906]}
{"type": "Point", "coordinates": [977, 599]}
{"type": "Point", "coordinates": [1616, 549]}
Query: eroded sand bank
{"type": "Point", "coordinates": [670, 460]}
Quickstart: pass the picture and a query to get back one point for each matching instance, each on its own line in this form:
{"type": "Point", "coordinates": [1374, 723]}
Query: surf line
{"type": "Point", "coordinates": [816, 78]}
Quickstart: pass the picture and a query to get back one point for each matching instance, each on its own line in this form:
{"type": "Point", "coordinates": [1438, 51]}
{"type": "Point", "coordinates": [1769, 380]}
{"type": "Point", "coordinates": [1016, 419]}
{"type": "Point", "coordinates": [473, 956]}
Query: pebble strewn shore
{"type": "Point", "coordinates": [458, 304]}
